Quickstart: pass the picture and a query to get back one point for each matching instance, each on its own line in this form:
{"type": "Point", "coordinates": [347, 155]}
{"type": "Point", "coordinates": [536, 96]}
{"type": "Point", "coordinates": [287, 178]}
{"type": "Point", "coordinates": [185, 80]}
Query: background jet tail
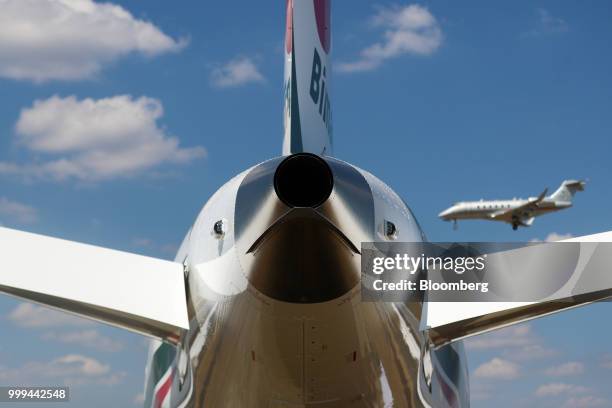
{"type": "Point", "coordinates": [308, 117]}
{"type": "Point", "coordinates": [567, 190]}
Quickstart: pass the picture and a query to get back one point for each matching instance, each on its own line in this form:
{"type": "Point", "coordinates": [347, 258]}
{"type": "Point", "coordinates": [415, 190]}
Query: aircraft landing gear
{"type": "Point", "coordinates": [455, 225]}
{"type": "Point", "coordinates": [515, 222]}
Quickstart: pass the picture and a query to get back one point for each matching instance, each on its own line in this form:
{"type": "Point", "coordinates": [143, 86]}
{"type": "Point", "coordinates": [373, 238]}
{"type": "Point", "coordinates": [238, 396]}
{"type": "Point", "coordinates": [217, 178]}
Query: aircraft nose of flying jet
{"type": "Point", "coordinates": [446, 213]}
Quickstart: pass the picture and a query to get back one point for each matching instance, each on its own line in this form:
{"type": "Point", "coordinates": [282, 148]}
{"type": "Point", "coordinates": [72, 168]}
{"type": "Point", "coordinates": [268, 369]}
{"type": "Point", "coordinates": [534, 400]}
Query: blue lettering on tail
{"type": "Point", "coordinates": [318, 92]}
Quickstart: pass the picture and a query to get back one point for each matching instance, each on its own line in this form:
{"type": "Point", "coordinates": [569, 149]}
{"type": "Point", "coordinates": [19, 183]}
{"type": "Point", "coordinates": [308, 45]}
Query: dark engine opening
{"type": "Point", "coordinates": [303, 180]}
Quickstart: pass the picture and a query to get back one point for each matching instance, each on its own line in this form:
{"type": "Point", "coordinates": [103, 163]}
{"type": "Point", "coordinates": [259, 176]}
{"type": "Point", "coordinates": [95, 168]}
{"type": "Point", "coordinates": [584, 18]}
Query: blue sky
{"type": "Point", "coordinates": [492, 101]}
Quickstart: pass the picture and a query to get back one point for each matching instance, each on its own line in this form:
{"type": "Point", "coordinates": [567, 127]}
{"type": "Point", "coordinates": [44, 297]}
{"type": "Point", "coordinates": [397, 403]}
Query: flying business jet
{"type": "Point", "coordinates": [518, 211]}
{"type": "Point", "coordinates": [262, 305]}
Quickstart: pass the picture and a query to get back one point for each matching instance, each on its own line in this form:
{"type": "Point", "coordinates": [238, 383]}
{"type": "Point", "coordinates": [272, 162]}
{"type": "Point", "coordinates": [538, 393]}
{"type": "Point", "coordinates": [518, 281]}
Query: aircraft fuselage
{"type": "Point", "coordinates": [276, 313]}
{"type": "Point", "coordinates": [485, 210]}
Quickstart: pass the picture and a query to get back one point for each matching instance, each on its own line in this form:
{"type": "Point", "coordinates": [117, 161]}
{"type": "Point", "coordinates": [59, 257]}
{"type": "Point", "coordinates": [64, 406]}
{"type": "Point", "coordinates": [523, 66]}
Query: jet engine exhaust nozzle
{"type": "Point", "coordinates": [303, 180]}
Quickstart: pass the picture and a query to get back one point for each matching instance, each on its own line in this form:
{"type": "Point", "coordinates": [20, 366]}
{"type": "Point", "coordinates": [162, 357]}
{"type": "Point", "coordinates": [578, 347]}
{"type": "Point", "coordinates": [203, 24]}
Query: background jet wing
{"type": "Point", "coordinates": [138, 293]}
{"type": "Point", "coordinates": [449, 321]}
{"type": "Point", "coordinates": [529, 206]}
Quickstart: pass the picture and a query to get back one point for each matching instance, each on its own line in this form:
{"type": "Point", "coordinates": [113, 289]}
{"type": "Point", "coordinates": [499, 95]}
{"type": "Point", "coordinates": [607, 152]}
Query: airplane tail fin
{"type": "Point", "coordinates": [307, 116]}
{"type": "Point", "coordinates": [568, 188]}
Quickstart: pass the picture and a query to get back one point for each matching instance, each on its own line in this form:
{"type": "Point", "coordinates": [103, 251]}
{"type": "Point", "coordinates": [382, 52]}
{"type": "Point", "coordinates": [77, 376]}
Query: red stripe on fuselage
{"type": "Point", "coordinates": [322, 12]}
{"type": "Point", "coordinates": [289, 28]}
{"type": "Point", "coordinates": [163, 390]}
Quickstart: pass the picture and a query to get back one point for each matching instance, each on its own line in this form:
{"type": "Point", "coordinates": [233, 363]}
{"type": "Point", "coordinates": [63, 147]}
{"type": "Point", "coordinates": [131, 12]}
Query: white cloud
{"type": "Point", "coordinates": [556, 389]}
{"type": "Point", "coordinates": [517, 342]}
{"type": "Point", "coordinates": [410, 29]}
{"type": "Point", "coordinates": [17, 211]}
{"type": "Point", "coordinates": [71, 39]}
{"type": "Point", "coordinates": [239, 71]}
{"type": "Point", "coordinates": [546, 24]}
{"type": "Point", "coordinates": [86, 338]}
{"type": "Point", "coordinates": [554, 237]}
{"type": "Point", "coordinates": [530, 352]}
{"type": "Point", "coordinates": [70, 369]}
{"type": "Point", "coordinates": [567, 369]}
{"type": "Point", "coordinates": [513, 336]}
{"type": "Point", "coordinates": [28, 315]}
{"type": "Point", "coordinates": [84, 365]}
{"type": "Point", "coordinates": [498, 369]}
{"type": "Point", "coordinates": [95, 139]}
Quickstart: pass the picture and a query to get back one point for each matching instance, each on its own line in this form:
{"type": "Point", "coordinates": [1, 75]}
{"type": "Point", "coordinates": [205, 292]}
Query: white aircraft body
{"type": "Point", "coordinates": [518, 211]}
{"type": "Point", "coordinates": [262, 305]}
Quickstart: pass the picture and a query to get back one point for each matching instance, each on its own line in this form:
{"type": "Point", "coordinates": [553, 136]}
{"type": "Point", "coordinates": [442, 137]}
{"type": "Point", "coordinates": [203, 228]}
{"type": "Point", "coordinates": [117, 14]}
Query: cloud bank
{"type": "Point", "coordinates": [498, 369]}
{"type": "Point", "coordinates": [556, 389]}
{"type": "Point", "coordinates": [566, 369]}
{"type": "Point", "coordinates": [43, 40]}
{"type": "Point", "coordinates": [31, 316]}
{"type": "Point", "coordinates": [91, 140]}
{"type": "Point", "coordinates": [239, 71]}
{"type": "Point", "coordinates": [71, 369]}
{"type": "Point", "coordinates": [407, 30]}
{"type": "Point", "coordinates": [86, 338]}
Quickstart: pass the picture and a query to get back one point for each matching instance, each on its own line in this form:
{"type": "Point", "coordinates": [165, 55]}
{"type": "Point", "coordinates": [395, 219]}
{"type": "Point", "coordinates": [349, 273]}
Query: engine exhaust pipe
{"type": "Point", "coordinates": [303, 180]}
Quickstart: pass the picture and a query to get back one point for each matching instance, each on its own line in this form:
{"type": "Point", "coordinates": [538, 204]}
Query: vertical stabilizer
{"type": "Point", "coordinates": [308, 117]}
{"type": "Point", "coordinates": [567, 190]}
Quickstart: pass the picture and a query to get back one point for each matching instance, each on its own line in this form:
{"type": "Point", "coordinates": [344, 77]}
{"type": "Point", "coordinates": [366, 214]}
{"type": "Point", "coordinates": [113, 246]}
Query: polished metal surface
{"type": "Point", "coordinates": [303, 255]}
{"type": "Point", "coordinates": [276, 312]}
{"type": "Point", "coordinates": [259, 352]}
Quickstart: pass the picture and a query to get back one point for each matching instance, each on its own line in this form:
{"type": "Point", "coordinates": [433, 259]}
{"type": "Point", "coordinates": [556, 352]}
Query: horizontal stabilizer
{"type": "Point", "coordinates": [591, 281]}
{"type": "Point", "coordinates": [567, 190]}
{"type": "Point", "coordinates": [138, 293]}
